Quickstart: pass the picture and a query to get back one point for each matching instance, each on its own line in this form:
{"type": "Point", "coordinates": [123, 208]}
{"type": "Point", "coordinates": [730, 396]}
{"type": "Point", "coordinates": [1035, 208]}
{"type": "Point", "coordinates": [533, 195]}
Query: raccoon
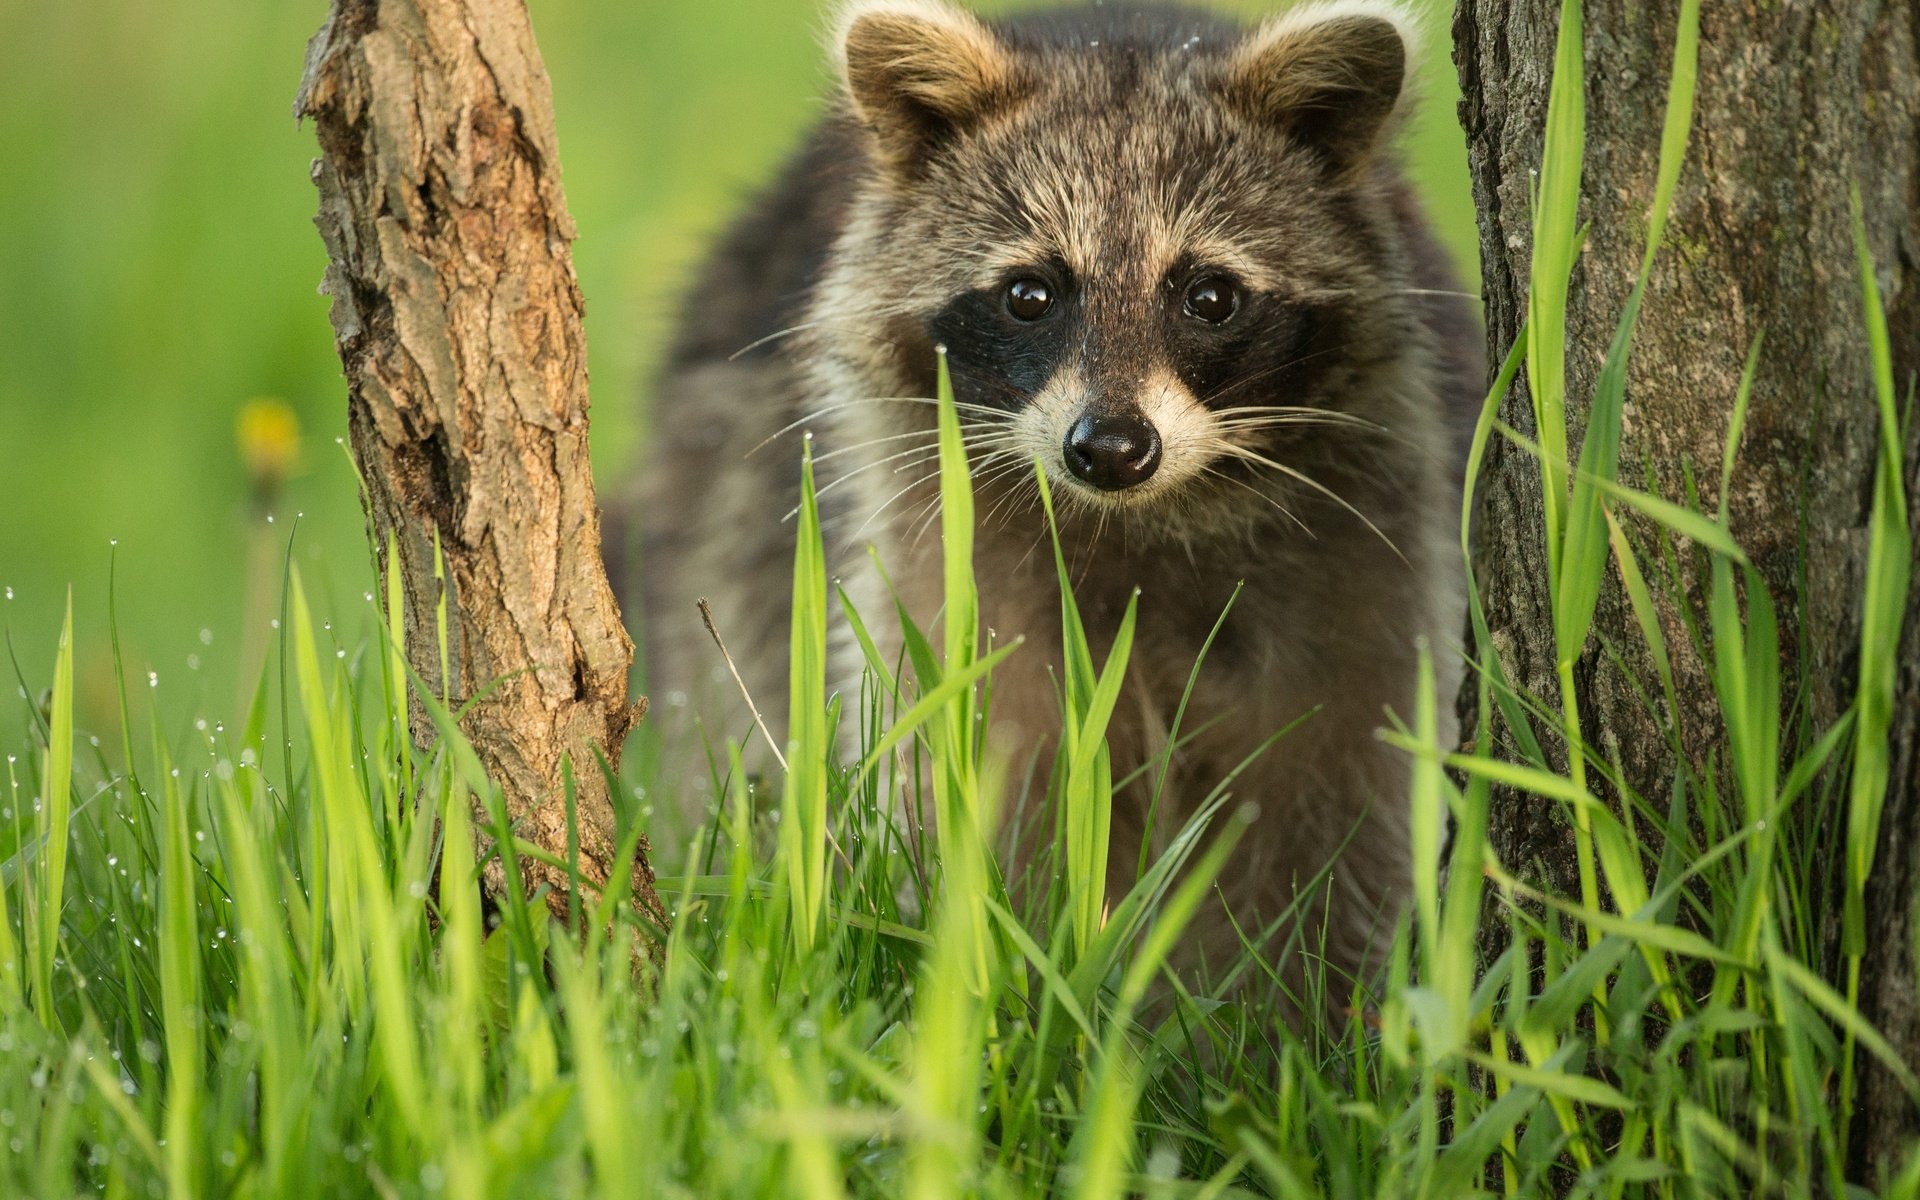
{"type": "Point", "coordinates": [1170, 257]}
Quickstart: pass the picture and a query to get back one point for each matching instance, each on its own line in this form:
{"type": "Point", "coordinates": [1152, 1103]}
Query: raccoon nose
{"type": "Point", "coordinates": [1112, 453]}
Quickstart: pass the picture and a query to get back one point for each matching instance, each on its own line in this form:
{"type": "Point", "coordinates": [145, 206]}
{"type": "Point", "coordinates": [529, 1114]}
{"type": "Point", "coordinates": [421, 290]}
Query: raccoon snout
{"type": "Point", "coordinates": [1112, 452]}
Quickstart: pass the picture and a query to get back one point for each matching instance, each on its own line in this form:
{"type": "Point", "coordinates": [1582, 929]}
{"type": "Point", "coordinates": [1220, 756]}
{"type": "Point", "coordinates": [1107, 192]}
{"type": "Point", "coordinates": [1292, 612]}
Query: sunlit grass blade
{"type": "Point", "coordinates": [1103, 1146]}
{"type": "Point", "coordinates": [54, 826]}
{"type": "Point", "coordinates": [1556, 243]}
{"type": "Point", "coordinates": [803, 831]}
{"type": "Point", "coordinates": [952, 1014]}
{"type": "Point", "coordinates": [180, 990]}
{"type": "Point", "coordinates": [1086, 786]}
{"type": "Point", "coordinates": [1889, 576]}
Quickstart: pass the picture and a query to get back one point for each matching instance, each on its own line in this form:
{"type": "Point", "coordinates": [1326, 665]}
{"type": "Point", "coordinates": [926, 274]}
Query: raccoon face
{"type": "Point", "coordinates": [1146, 238]}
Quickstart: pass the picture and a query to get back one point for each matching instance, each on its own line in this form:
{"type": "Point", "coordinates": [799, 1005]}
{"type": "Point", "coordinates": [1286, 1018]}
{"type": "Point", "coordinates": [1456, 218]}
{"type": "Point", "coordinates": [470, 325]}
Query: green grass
{"type": "Point", "coordinates": [248, 957]}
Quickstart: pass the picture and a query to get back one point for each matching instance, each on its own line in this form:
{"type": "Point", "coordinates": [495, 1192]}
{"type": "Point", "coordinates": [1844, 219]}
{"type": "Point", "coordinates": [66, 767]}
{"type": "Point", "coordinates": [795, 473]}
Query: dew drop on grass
{"type": "Point", "coordinates": [153, 679]}
{"type": "Point", "coordinates": [206, 637]}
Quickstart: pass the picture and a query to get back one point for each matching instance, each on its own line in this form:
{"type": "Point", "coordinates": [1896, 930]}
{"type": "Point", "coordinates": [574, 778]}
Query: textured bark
{"type": "Point", "coordinates": [458, 320]}
{"type": "Point", "coordinates": [1798, 99]}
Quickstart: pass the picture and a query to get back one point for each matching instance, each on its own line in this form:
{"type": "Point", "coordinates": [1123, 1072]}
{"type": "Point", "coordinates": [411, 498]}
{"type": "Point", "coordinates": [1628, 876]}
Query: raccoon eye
{"type": "Point", "coordinates": [1029, 299]}
{"type": "Point", "coordinates": [1213, 300]}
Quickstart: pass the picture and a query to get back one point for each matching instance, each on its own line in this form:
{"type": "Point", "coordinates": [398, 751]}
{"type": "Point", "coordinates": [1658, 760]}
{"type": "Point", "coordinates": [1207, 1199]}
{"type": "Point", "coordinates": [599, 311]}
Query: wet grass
{"type": "Point", "coordinates": [248, 957]}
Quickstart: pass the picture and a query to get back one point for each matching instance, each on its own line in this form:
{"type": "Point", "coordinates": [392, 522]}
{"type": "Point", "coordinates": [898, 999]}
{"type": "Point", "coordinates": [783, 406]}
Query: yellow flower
{"type": "Point", "coordinates": [269, 436]}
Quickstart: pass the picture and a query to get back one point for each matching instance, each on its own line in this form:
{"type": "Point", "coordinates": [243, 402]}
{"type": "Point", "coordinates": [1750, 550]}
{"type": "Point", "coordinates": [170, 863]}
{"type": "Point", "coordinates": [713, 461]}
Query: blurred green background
{"type": "Point", "coordinates": [158, 268]}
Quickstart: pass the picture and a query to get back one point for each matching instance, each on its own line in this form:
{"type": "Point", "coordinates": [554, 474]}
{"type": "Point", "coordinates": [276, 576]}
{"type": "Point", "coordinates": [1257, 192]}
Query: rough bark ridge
{"type": "Point", "coordinates": [458, 320]}
{"type": "Point", "coordinates": [1796, 101]}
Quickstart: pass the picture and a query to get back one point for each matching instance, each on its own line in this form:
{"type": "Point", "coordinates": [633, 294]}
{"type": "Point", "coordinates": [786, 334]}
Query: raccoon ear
{"type": "Point", "coordinates": [919, 71]}
{"type": "Point", "coordinates": [1327, 75]}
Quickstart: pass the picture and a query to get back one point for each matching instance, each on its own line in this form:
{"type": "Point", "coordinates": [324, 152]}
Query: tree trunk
{"type": "Point", "coordinates": [1796, 101]}
{"type": "Point", "coordinates": [458, 320]}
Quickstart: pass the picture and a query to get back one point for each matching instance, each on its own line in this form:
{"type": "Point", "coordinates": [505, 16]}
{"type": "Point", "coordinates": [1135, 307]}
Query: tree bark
{"type": "Point", "coordinates": [1796, 102]}
{"type": "Point", "coordinates": [458, 320]}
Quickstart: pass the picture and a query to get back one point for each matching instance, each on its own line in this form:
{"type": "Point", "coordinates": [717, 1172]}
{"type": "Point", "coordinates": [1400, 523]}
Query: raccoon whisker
{"type": "Point", "coordinates": [1430, 292]}
{"type": "Point", "coordinates": [960, 405]}
{"type": "Point", "coordinates": [1019, 499]}
{"type": "Point", "coordinates": [1298, 410]}
{"type": "Point", "coordinates": [925, 477]}
{"type": "Point", "coordinates": [998, 465]}
{"type": "Point", "coordinates": [756, 343]}
{"type": "Point", "coordinates": [888, 503]}
{"type": "Point", "coordinates": [1288, 513]}
{"type": "Point", "coordinates": [1092, 547]}
{"type": "Point", "coordinates": [927, 455]}
{"type": "Point", "coordinates": [815, 415]}
{"type": "Point", "coordinates": [1039, 540]}
{"type": "Point", "coordinates": [989, 468]}
{"type": "Point", "coordinates": [932, 454]}
{"type": "Point", "coordinates": [826, 410]}
{"type": "Point", "coordinates": [1282, 422]}
{"type": "Point", "coordinates": [1268, 373]}
{"type": "Point", "coordinates": [929, 436]}
{"type": "Point", "coordinates": [1010, 500]}
{"type": "Point", "coordinates": [922, 518]}
{"type": "Point", "coordinates": [1358, 441]}
{"type": "Point", "coordinates": [1233, 425]}
{"type": "Point", "coordinates": [1298, 413]}
{"type": "Point", "coordinates": [870, 443]}
{"type": "Point", "coordinates": [1362, 293]}
{"type": "Point", "coordinates": [844, 326]}
{"type": "Point", "coordinates": [922, 461]}
{"type": "Point", "coordinates": [837, 480]}
{"type": "Point", "coordinates": [1247, 455]}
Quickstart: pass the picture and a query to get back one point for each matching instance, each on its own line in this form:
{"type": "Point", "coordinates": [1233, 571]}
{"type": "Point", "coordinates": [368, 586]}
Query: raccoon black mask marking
{"type": "Point", "coordinates": [1171, 259]}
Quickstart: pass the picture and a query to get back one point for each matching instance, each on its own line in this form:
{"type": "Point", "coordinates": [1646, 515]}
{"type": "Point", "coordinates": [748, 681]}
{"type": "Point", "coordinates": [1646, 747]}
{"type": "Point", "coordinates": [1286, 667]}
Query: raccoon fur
{"type": "Point", "coordinates": [1172, 258]}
